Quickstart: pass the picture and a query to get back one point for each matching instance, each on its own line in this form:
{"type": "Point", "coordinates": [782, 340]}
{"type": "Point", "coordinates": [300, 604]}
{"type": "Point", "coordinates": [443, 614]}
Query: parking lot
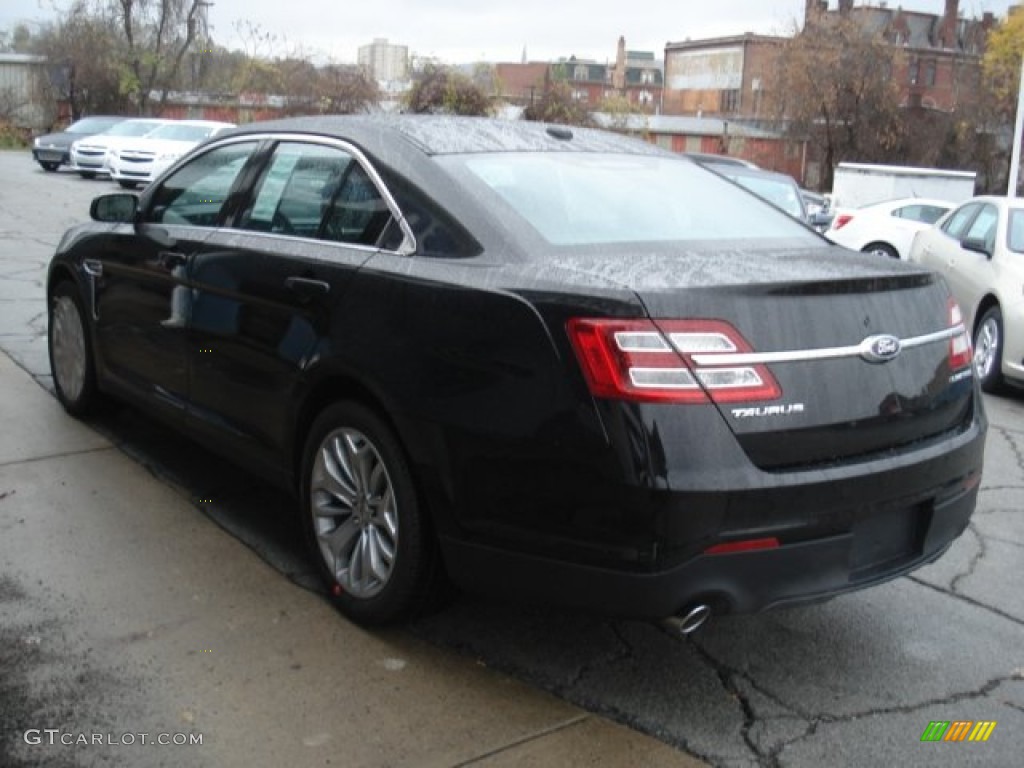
{"type": "Point", "coordinates": [854, 681]}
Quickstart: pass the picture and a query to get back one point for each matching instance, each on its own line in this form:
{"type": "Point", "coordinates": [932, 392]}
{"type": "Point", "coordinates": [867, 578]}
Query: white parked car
{"type": "Point", "coordinates": [979, 249]}
{"type": "Point", "coordinates": [887, 228]}
{"type": "Point", "coordinates": [89, 155]}
{"type": "Point", "coordinates": [142, 160]}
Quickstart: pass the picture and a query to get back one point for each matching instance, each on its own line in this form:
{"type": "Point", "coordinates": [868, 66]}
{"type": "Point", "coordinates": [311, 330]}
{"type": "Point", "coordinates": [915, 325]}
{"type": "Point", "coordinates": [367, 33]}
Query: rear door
{"type": "Point", "coordinates": [266, 292]}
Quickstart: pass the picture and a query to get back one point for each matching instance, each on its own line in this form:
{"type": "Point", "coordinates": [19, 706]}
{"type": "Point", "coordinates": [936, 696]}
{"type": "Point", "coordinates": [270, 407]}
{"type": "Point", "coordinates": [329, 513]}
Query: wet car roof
{"type": "Point", "coordinates": [446, 134]}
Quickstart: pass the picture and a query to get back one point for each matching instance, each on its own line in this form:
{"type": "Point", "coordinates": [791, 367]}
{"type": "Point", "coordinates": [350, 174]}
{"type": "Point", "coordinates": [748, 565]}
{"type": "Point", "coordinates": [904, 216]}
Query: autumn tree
{"type": "Point", "coordinates": [438, 89]}
{"type": "Point", "coordinates": [557, 105]}
{"type": "Point", "coordinates": [82, 49]}
{"type": "Point", "coordinates": [155, 37]}
{"type": "Point", "coordinates": [835, 86]}
{"type": "Point", "coordinates": [1001, 68]}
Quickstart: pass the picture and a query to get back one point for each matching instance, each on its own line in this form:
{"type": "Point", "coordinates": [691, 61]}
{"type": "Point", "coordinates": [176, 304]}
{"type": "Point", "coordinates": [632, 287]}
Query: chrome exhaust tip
{"type": "Point", "coordinates": [689, 621]}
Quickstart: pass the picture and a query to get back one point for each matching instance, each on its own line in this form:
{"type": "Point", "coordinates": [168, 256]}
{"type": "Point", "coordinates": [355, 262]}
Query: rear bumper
{"type": "Point", "coordinates": [839, 531]}
{"type": "Point", "coordinates": [743, 582]}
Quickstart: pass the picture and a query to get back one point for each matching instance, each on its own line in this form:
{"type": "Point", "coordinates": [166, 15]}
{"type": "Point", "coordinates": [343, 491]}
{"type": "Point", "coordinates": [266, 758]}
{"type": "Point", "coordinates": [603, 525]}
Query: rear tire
{"type": "Point", "coordinates": [881, 249]}
{"type": "Point", "coordinates": [363, 520]}
{"type": "Point", "coordinates": [49, 167]}
{"type": "Point", "coordinates": [71, 356]}
{"type": "Point", "coordinates": [988, 350]}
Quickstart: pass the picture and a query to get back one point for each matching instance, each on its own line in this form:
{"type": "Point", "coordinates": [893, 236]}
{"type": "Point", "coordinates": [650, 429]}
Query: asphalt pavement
{"type": "Point", "coordinates": [140, 580]}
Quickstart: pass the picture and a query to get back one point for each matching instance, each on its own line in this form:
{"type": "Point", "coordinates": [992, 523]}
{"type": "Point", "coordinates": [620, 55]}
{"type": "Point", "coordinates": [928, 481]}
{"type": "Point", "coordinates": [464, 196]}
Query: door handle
{"type": "Point", "coordinates": [93, 267]}
{"type": "Point", "coordinates": [171, 259]}
{"type": "Point", "coordinates": [306, 288]}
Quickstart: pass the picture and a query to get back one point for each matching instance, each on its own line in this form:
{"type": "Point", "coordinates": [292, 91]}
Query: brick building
{"type": "Point", "coordinates": [732, 76]}
{"type": "Point", "coordinates": [635, 75]}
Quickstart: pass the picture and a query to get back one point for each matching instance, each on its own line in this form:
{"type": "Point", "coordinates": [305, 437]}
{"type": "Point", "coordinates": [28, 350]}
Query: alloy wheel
{"type": "Point", "coordinates": [355, 514]}
{"type": "Point", "coordinates": [67, 337]}
{"type": "Point", "coordinates": [986, 347]}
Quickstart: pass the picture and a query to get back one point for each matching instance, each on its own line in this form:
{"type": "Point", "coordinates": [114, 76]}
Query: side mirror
{"type": "Point", "coordinates": [976, 244]}
{"type": "Point", "coordinates": [118, 208]}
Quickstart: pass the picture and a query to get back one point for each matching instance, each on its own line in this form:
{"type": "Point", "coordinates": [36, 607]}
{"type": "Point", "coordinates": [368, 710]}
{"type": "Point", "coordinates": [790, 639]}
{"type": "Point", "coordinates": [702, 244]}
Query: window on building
{"type": "Point", "coordinates": [730, 100]}
{"type": "Point", "coordinates": [647, 76]}
{"type": "Point", "coordinates": [580, 72]}
{"type": "Point", "coordinates": [929, 73]}
{"type": "Point", "coordinates": [914, 71]}
{"type": "Point", "coordinates": [580, 94]}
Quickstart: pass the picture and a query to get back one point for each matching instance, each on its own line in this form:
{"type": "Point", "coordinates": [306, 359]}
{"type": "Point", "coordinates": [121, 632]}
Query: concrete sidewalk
{"type": "Point", "coordinates": [125, 611]}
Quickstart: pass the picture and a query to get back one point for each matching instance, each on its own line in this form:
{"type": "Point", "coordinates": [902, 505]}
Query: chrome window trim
{"type": "Point", "coordinates": [408, 246]}
{"type": "Point", "coordinates": [825, 353]}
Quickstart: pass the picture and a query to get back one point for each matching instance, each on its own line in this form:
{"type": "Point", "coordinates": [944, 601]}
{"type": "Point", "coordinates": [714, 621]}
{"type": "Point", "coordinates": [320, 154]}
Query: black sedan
{"type": "Point", "coordinates": [53, 150]}
{"type": "Point", "coordinates": [541, 362]}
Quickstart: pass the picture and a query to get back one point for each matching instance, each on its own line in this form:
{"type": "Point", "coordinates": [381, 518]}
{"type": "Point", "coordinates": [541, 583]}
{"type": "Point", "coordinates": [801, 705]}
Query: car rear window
{"type": "Point", "coordinates": [578, 198]}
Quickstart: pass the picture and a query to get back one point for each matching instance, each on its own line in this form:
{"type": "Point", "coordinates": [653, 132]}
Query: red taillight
{"type": "Point", "coordinates": [642, 361]}
{"type": "Point", "coordinates": [747, 545]}
{"type": "Point", "coordinates": [842, 219]}
{"type": "Point", "coordinates": [960, 353]}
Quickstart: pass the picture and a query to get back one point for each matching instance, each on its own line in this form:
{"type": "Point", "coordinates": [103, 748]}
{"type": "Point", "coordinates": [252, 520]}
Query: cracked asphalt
{"type": "Point", "coordinates": [853, 681]}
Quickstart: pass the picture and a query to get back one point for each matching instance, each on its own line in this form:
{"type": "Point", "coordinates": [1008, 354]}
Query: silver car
{"type": "Point", "coordinates": [979, 248]}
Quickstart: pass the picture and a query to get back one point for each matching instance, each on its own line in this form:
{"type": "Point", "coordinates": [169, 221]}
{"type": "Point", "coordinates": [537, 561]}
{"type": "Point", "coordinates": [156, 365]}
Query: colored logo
{"type": "Point", "coordinates": [958, 730]}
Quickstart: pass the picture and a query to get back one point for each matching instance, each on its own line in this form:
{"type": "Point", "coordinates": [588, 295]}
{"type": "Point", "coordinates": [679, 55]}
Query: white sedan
{"type": "Point", "coordinates": [979, 249]}
{"type": "Point", "coordinates": [887, 228]}
{"type": "Point", "coordinates": [89, 155]}
{"type": "Point", "coordinates": [142, 160]}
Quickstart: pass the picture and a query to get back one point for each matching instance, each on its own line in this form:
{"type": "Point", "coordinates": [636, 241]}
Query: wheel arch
{"type": "Point", "coordinates": [988, 301]}
{"type": "Point", "coordinates": [871, 245]}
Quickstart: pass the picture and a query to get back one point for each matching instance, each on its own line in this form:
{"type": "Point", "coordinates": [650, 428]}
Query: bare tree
{"type": "Point", "coordinates": [81, 49]}
{"type": "Point", "coordinates": [835, 86]}
{"type": "Point", "coordinates": [156, 35]}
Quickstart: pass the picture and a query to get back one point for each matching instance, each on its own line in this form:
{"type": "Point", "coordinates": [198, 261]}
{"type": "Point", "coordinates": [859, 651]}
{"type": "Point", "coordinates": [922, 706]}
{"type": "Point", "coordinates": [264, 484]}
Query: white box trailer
{"type": "Point", "coordinates": [858, 184]}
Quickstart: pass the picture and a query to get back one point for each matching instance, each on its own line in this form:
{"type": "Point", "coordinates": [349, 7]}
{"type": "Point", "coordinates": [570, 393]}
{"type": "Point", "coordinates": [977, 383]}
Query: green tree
{"type": "Point", "coordinates": [441, 90]}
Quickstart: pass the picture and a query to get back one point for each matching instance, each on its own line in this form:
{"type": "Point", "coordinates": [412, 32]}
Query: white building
{"type": "Point", "coordinates": [383, 61]}
{"type": "Point", "coordinates": [22, 80]}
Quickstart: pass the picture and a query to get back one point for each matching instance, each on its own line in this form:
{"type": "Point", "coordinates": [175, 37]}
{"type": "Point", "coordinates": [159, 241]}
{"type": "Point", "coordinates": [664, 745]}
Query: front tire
{"type": "Point", "coordinates": [988, 350]}
{"type": "Point", "coordinates": [49, 167]}
{"type": "Point", "coordinates": [71, 357]}
{"type": "Point", "coordinates": [364, 523]}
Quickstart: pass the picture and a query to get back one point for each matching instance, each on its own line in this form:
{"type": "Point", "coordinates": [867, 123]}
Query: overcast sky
{"type": "Point", "coordinates": [498, 30]}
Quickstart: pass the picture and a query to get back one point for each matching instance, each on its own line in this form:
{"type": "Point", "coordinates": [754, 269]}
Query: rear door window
{"type": "Point", "coordinates": [317, 191]}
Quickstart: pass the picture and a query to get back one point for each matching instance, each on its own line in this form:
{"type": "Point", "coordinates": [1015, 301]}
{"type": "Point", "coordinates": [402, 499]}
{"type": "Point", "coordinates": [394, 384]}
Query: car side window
{"type": "Point", "coordinates": [955, 225]}
{"type": "Point", "coordinates": [983, 228]}
{"type": "Point", "coordinates": [296, 189]}
{"type": "Point", "coordinates": [358, 213]}
{"type": "Point", "coordinates": [928, 214]}
{"type": "Point", "coordinates": [1015, 230]}
{"type": "Point", "coordinates": [437, 234]}
{"type": "Point", "coordinates": [196, 192]}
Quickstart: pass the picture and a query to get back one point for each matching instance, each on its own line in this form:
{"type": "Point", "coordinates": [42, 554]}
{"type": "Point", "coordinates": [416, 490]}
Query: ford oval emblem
{"type": "Point", "coordinates": [880, 349]}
